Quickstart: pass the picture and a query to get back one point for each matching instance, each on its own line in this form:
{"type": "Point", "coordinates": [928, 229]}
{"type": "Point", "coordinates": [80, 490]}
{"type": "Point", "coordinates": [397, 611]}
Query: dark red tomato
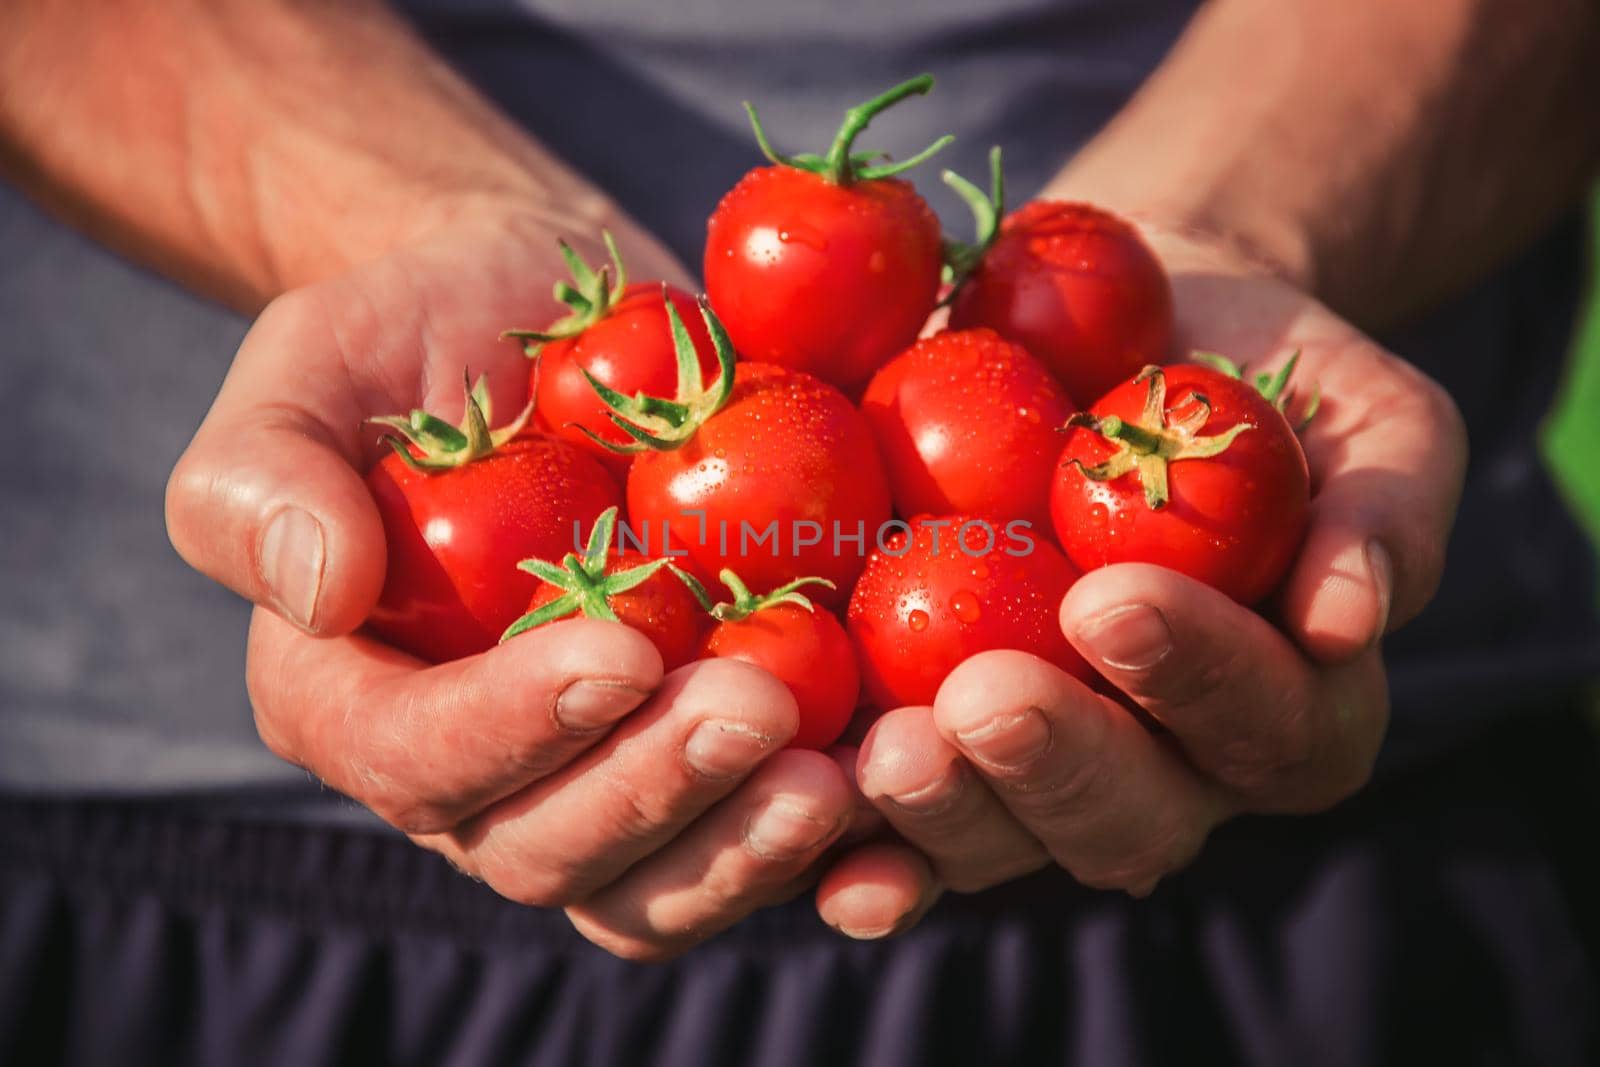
{"type": "Point", "coordinates": [825, 264]}
{"type": "Point", "coordinates": [1077, 287]}
{"type": "Point", "coordinates": [1229, 503]}
{"type": "Point", "coordinates": [455, 537]}
{"type": "Point", "coordinates": [808, 651]}
{"type": "Point", "coordinates": [783, 481]}
{"type": "Point", "coordinates": [630, 350]}
{"type": "Point", "coordinates": [953, 591]}
{"type": "Point", "coordinates": [661, 607]}
{"type": "Point", "coordinates": [968, 422]}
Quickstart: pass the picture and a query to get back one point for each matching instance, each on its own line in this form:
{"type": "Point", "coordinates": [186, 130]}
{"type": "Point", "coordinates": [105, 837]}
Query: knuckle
{"type": "Point", "coordinates": [529, 884]}
{"type": "Point", "coordinates": [1064, 796]}
{"type": "Point", "coordinates": [1140, 868]}
{"type": "Point", "coordinates": [1199, 680]}
{"type": "Point", "coordinates": [632, 947]}
{"type": "Point", "coordinates": [1270, 755]}
{"type": "Point", "coordinates": [974, 877]}
{"type": "Point", "coordinates": [1351, 763]}
{"type": "Point", "coordinates": [636, 814]}
{"type": "Point", "coordinates": [722, 895]}
{"type": "Point", "coordinates": [412, 816]}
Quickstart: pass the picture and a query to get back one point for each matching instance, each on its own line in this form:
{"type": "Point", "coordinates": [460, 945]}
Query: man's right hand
{"type": "Point", "coordinates": [654, 833]}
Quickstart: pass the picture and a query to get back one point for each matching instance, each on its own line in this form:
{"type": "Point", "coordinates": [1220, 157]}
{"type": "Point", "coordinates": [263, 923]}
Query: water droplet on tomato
{"type": "Point", "coordinates": [917, 620]}
{"type": "Point", "coordinates": [965, 607]}
{"type": "Point", "coordinates": [980, 571]}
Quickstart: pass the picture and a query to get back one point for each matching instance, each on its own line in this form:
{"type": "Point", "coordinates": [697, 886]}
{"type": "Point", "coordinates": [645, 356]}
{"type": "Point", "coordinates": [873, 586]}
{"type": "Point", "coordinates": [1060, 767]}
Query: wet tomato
{"type": "Point", "coordinates": [968, 422]}
{"type": "Point", "coordinates": [1188, 468]}
{"type": "Point", "coordinates": [952, 587]}
{"type": "Point", "coordinates": [460, 507]}
{"type": "Point", "coordinates": [825, 264]}
{"type": "Point", "coordinates": [1077, 287]}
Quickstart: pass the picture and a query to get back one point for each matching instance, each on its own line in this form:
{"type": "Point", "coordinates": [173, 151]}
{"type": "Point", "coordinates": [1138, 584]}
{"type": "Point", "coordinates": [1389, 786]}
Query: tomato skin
{"type": "Point", "coordinates": [661, 607]}
{"type": "Point", "coordinates": [1077, 287]}
{"type": "Point", "coordinates": [455, 537]}
{"type": "Point", "coordinates": [968, 422]}
{"type": "Point", "coordinates": [630, 350]}
{"type": "Point", "coordinates": [913, 619]}
{"type": "Point", "coordinates": [786, 448]}
{"type": "Point", "coordinates": [827, 279]}
{"type": "Point", "coordinates": [1234, 521]}
{"type": "Point", "coordinates": [809, 652]}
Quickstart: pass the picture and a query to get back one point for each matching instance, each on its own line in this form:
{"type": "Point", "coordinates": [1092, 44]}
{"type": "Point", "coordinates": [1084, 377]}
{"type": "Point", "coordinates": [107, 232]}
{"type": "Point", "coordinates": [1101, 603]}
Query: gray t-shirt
{"type": "Point", "coordinates": [121, 671]}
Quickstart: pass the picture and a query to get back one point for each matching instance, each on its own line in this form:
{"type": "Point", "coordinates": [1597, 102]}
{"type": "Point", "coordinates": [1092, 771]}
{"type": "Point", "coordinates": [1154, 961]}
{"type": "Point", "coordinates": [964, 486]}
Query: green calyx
{"type": "Point", "coordinates": [656, 423]}
{"type": "Point", "coordinates": [1273, 387]}
{"type": "Point", "coordinates": [585, 585]}
{"type": "Point", "coordinates": [746, 603]}
{"type": "Point", "coordinates": [445, 447]}
{"type": "Point", "coordinates": [1151, 443]}
{"type": "Point", "coordinates": [961, 259]}
{"type": "Point", "coordinates": [842, 166]}
{"type": "Point", "coordinates": [589, 297]}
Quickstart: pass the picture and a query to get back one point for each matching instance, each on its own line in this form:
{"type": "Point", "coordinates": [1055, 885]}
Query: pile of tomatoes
{"type": "Point", "coordinates": [783, 472]}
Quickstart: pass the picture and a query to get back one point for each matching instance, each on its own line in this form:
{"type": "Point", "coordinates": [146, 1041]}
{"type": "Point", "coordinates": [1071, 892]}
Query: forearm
{"type": "Point", "coordinates": [248, 147]}
{"type": "Point", "coordinates": [1380, 154]}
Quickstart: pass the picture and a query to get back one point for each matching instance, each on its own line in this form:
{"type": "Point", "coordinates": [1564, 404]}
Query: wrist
{"type": "Point", "coordinates": [297, 249]}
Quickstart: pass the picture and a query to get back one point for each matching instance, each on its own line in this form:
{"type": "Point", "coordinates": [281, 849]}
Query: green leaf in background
{"type": "Point", "coordinates": [1571, 434]}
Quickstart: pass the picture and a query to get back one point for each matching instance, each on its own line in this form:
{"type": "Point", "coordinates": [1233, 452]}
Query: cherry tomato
{"type": "Point", "coordinates": [1188, 468]}
{"type": "Point", "coordinates": [784, 481]}
{"type": "Point", "coordinates": [621, 586]}
{"type": "Point", "coordinates": [825, 264]}
{"type": "Point", "coordinates": [616, 332]}
{"type": "Point", "coordinates": [457, 520]}
{"type": "Point", "coordinates": [951, 588]}
{"type": "Point", "coordinates": [1077, 287]}
{"type": "Point", "coordinates": [968, 422]}
{"type": "Point", "coordinates": [797, 642]}
{"type": "Point", "coordinates": [766, 470]}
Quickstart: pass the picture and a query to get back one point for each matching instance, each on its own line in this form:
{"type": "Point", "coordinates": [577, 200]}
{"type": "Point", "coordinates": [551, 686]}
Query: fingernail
{"type": "Point", "coordinates": [783, 830]}
{"type": "Point", "coordinates": [877, 933]}
{"type": "Point", "coordinates": [721, 749]}
{"type": "Point", "coordinates": [1009, 742]}
{"type": "Point", "coordinates": [290, 557]}
{"type": "Point", "coordinates": [590, 703]}
{"type": "Point", "coordinates": [1134, 637]}
{"type": "Point", "coordinates": [1382, 568]}
{"type": "Point", "coordinates": [936, 796]}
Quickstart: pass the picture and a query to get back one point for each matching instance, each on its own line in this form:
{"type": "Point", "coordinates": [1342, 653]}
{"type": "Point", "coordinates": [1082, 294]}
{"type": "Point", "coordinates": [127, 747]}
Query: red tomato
{"type": "Point", "coordinates": [1077, 287]}
{"type": "Point", "coordinates": [630, 350]}
{"type": "Point", "coordinates": [801, 645]}
{"type": "Point", "coordinates": [1227, 505]}
{"type": "Point", "coordinates": [914, 617]}
{"type": "Point", "coordinates": [455, 534]}
{"type": "Point", "coordinates": [619, 334]}
{"type": "Point", "coordinates": [770, 479]}
{"type": "Point", "coordinates": [660, 607]}
{"type": "Point", "coordinates": [968, 422]}
{"type": "Point", "coordinates": [825, 264]}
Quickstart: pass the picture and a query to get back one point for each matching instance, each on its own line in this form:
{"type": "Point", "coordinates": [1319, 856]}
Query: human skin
{"type": "Point", "coordinates": [388, 254]}
{"type": "Point", "coordinates": [1300, 168]}
{"type": "Point", "coordinates": [233, 145]}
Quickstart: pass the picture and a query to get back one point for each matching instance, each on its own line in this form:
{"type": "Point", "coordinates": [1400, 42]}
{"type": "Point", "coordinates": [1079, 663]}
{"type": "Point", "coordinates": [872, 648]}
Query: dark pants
{"type": "Point", "coordinates": [1449, 918]}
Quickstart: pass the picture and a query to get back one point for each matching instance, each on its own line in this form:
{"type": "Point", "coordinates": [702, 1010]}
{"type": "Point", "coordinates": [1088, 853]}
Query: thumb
{"type": "Point", "coordinates": [268, 499]}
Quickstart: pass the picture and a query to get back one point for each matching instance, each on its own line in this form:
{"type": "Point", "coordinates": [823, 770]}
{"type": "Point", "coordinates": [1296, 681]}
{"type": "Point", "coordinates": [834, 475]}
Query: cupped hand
{"type": "Point", "coordinates": [653, 833]}
{"type": "Point", "coordinates": [1017, 765]}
